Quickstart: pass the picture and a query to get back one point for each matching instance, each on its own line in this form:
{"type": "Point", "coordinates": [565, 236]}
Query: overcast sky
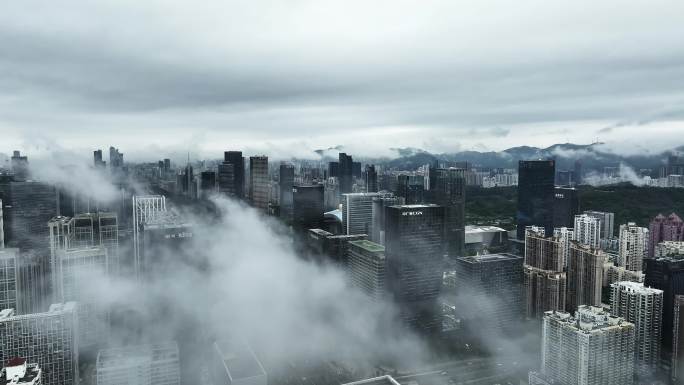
{"type": "Point", "coordinates": [289, 77]}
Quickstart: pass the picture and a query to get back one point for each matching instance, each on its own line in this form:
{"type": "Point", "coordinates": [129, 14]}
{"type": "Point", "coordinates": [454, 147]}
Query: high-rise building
{"type": "Point", "coordinates": [607, 222]}
{"type": "Point", "coordinates": [142, 365]}
{"type": "Point", "coordinates": [585, 276]}
{"type": "Point", "coordinates": [591, 348]}
{"type": "Point", "coordinates": [564, 235]}
{"type": "Point", "coordinates": [164, 245]}
{"type": "Point", "coordinates": [207, 184]}
{"type": "Point", "coordinates": [545, 282]}
{"type": "Point", "coordinates": [493, 286]}
{"type": "Point", "coordinates": [535, 195]}
{"type": "Point", "coordinates": [677, 372]}
{"type": "Point", "coordinates": [448, 190]}
{"type": "Point", "coordinates": [371, 178]}
{"type": "Point", "coordinates": [666, 274]}
{"type": "Point", "coordinates": [633, 246]}
{"type": "Point", "coordinates": [145, 208]}
{"type": "Point", "coordinates": [546, 253]}
{"type": "Point", "coordinates": [9, 279]}
{"type": "Point", "coordinates": [33, 283]}
{"type": "Point", "coordinates": [19, 372]}
{"type": "Point", "coordinates": [377, 234]}
{"type": "Point", "coordinates": [366, 267]}
{"type": "Point", "coordinates": [345, 172]}
{"type": "Point", "coordinates": [334, 247]}
{"type": "Point", "coordinates": [544, 290]}
{"type": "Point", "coordinates": [97, 160]}
{"type": "Point", "coordinates": [115, 158]}
{"type": "Point", "coordinates": [587, 230]}
{"type": "Point", "coordinates": [357, 212]}
{"type": "Point", "coordinates": [234, 363]}
{"type": "Point", "coordinates": [333, 169]}
{"type": "Point", "coordinates": [414, 235]}
{"type": "Point", "coordinates": [231, 174]}
{"type": "Point", "coordinates": [77, 271]}
{"type": "Point", "coordinates": [664, 229]}
{"type": "Point", "coordinates": [27, 208]}
{"type": "Point", "coordinates": [565, 206]}
{"type": "Point", "coordinates": [48, 339]}
{"type": "Point", "coordinates": [307, 206]}
{"type": "Point", "coordinates": [259, 182]}
{"type": "Point", "coordinates": [285, 184]}
{"type": "Point", "coordinates": [642, 306]}
{"type": "Point", "coordinates": [19, 165]}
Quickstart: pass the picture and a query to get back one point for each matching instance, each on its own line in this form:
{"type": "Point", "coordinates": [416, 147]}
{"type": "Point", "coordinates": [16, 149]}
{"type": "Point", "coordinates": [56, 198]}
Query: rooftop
{"type": "Point", "coordinates": [369, 246]}
{"type": "Point", "coordinates": [239, 360]}
{"type": "Point", "coordinates": [491, 258]}
{"type": "Point", "coordinates": [483, 229]}
{"type": "Point", "coordinates": [636, 287]}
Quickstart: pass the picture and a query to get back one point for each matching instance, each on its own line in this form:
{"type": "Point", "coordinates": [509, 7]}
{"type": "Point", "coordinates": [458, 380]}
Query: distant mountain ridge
{"type": "Point", "coordinates": [592, 156]}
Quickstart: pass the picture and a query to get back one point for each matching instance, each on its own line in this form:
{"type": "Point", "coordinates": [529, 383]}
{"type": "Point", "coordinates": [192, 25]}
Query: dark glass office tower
{"type": "Point", "coordinates": [307, 206]}
{"type": "Point", "coordinates": [449, 192]}
{"type": "Point", "coordinates": [333, 169]}
{"type": "Point", "coordinates": [346, 168]}
{"type": "Point", "coordinates": [535, 195]}
{"type": "Point", "coordinates": [371, 178]}
{"type": "Point", "coordinates": [413, 241]}
{"type": "Point", "coordinates": [235, 158]}
{"type": "Point", "coordinates": [491, 288]}
{"type": "Point", "coordinates": [411, 188]}
{"type": "Point", "coordinates": [666, 274]}
{"type": "Point", "coordinates": [207, 183]}
{"type": "Point", "coordinates": [285, 184]}
{"type": "Point", "coordinates": [356, 169]}
{"type": "Point", "coordinates": [27, 208]}
{"type": "Point", "coordinates": [226, 179]}
{"type": "Point", "coordinates": [565, 206]}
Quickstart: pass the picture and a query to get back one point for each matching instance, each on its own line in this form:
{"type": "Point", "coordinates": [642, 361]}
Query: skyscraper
{"type": "Point", "coordinates": [307, 206]}
{"type": "Point", "coordinates": [677, 372]}
{"type": "Point", "coordinates": [449, 191]}
{"type": "Point", "coordinates": [9, 278]}
{"type": "Point", "coordinates": [607, 221]}
{"type": "Point", "coordinates": [591, 348]}
{"type": "Point", "coordinates": [493, 286]}
{"type": "Point", "coordinates": [565, 206]}
{"type": "Point", "coordinates": [371, 178]}
{"type": "Point", "coordinates": [366, 267]}
{"type": "Point", "coordinates": [285, 184]}
{"type": "Point", "coordinates": [535, 195]}
{"type": "Point", "coordinates": [642, 306]}
{"type": "Point", "coordinates": [28, 206]}
{"type": "Point", "coordinates": [545, 282]}
{"type": "Point", "coordinates": [378, 215]}
{"type": "Point", "coordinates": [633, 246]}
{"type": "Point", "coordinates": [345, 173]}
{"type": "Point", "coordinates": [145, 208]}
{"type": "Point", "coordinates": [666, 274]}
{"type": "Point", "coordinates": [48, 339]}
{"type": "Point", "coordinates": [98, 163]}
{"type": "Point", "coordinates": [664, 229]}
{"type": "Point", "coordinates": [19, 165]}
{"type": "Point", "coordinates": [165, 241]}
{"type": "Point", "coordinates": [413, 247]}
{"type": "Point", "coordinates": [234, 184]}
{"type": "Point", "coordinates": [143, 365]}
{"type": "Point", "coordinates": [585, 276]}
{"type": "Point", "coordinates": [207, 184]}
{"type": "Point", "coordinates": [357, 212]}
{"type": "Point", "coordinates": [587, 230]}
{"type": "Point", "coordinates": [77, 271]}
{"type": "Point", "coordinates": [258, 181]}
{"type": "Point", "coordinates": [115, 158]}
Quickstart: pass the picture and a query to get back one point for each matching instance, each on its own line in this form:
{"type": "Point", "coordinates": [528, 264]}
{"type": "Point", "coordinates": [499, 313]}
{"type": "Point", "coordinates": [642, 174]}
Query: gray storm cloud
{"type": "Point", "coordinates": [310, 75]}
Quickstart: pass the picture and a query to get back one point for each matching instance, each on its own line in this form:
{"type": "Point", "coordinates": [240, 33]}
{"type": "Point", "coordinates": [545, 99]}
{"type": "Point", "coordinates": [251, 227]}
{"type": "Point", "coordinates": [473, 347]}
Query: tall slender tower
{"type": "Point", "coordinates": [535, 195]}
{"type": "Point", "coordinates": [633, 246]}
{"type": "Point", "coordinates": [258, 181]}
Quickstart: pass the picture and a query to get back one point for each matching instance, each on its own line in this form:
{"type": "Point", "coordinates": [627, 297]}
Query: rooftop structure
{"type": "Point", "coordinates": [235, 363]}
{"type": "Point", "coordinates": [382, 380]}
{"type": "Point", "coordinates": [18, 372]}
{"type": "Point", "coordinates": [143, 364]}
